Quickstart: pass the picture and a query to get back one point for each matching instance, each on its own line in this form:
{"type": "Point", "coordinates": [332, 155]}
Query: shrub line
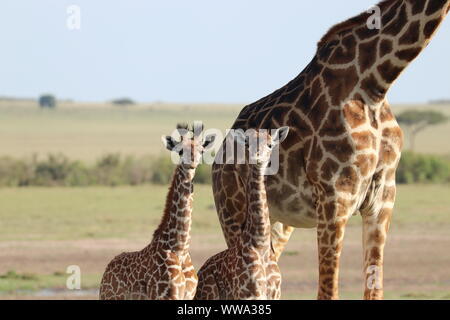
{"type": "Point", "coordinates": [114, 169]}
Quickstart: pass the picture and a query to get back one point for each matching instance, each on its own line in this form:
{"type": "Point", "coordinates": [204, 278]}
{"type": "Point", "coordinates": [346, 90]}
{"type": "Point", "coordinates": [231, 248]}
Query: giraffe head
{"type": "Point", "coordinates": [260, 144]}
{"type": "Point", "coordinates": [190, 147]}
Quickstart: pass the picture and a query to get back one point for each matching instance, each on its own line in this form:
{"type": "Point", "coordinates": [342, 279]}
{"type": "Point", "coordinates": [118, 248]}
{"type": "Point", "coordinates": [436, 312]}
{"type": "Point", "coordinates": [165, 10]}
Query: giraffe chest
{"type": "Point", "coordinates": [335, 158]}
{"type": "Point", "coordinates": [299, 208]}
{"type": "Point", "coordinates": [293, 192]}
{"type": "Point", "coordinates": [292, 204]}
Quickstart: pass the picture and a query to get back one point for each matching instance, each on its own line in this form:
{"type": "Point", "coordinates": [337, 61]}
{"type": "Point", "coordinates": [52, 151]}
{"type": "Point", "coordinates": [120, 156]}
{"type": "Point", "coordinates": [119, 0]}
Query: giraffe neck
{"type": "Point", "coordinates": [370, 60]}
{"type": "Point", "coordinates": [353, 64]}
{"type": "Point", "coordinates": [174, 230]}
{"type": "Point", "coordinates": [257, 228]}
{"type": "Point", "coordinates": [409, 33]}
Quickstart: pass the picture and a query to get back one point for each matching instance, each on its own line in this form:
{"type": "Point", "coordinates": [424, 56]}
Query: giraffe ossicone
{"type": "Point", "coordinates": [163, 270]}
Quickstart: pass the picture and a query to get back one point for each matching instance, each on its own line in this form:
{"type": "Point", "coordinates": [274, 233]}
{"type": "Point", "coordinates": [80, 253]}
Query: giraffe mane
{"type": "Point", "coordinates": [166, 215]}
{"type": "Point", "coordinates": [351, 23]}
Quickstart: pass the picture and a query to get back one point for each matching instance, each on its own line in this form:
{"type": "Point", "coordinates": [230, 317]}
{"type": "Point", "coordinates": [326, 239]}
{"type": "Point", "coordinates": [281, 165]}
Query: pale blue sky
{"type": "Point", "coordinates": [183, 51]}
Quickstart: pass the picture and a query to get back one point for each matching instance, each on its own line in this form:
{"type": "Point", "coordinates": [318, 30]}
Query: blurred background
{"type": "Point", "coordinates": [88, 88]}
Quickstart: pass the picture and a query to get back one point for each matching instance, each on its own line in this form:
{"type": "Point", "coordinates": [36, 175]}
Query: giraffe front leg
{"type": "Point", "coordinates": [332, 218]}
{"type": "Point", "coordinates": [273, 276]}
{"type": "Point", "coordinates": [191, 278]}
{"type": "Point", "coordinates": [280, 235]}
{"type": "Point", "coordinates": [375, 228]}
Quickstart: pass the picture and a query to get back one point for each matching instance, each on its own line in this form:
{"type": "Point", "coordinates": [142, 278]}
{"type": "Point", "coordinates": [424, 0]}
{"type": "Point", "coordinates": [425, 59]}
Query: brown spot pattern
{"type": "Point", "coordinates": [339, 90]}
{"type": "Point", "coordinates": [354, 113]}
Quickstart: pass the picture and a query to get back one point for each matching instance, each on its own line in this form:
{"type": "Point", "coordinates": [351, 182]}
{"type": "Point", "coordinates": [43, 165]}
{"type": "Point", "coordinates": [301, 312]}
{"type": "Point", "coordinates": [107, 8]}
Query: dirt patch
{"type": "Point", "coordinates": [417, 264]}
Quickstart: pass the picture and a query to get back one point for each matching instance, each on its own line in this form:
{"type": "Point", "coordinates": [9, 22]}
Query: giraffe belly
{"type": "Point", "coordinates": [295, 212]}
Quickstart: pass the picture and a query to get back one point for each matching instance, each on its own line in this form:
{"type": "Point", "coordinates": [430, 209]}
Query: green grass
{"type": "Point", "coordinates": [422, 204]}
{"type": "Point", "coordinates": [97, 212]}
{"type": "Point", "coordinates": [101, 212]}
{"type": "Point", "coordinates": [12, 281]}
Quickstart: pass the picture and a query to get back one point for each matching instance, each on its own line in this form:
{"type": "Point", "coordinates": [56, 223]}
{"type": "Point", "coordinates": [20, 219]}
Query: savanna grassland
{"type": "Point", "coordinates": [44, 230]}
{"type": "Point", "coordinates": [88, 131]}
{"type": "Point", "coordinates": [85, 131]}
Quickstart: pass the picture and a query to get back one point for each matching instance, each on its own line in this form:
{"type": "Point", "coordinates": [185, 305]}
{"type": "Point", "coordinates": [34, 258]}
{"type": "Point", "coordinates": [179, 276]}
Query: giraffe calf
{"type": "Point", "coordinates": [163, 270]}
{"type": "Point", "coordinates": [248, 270]}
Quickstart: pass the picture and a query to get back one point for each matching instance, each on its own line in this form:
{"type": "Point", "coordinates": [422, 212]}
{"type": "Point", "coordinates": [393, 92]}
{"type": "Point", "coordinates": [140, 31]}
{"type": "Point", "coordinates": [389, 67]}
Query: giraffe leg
{"type": "Point", "coordinates": [280, 235]}
{"type": "Point", "coordinates": [191, 278]}
{"type": "Point", "coordinates": [375, 229]}
{"type": "Point", "coordinates": [333, 217]}
{"type": "Point", "coordinates": [273, 276]}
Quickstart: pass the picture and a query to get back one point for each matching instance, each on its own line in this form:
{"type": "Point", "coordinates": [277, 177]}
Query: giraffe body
{"type": "Point", "coordinates": [154, 273]}
{"type": "Point", "coordinates": [249, 269]}
{"type": "Point", "coordinates": [344, 146]}
{"type": "Point", "coordinates": [163, 270]}
{"type": "Point", "coordinates": [228, 276]}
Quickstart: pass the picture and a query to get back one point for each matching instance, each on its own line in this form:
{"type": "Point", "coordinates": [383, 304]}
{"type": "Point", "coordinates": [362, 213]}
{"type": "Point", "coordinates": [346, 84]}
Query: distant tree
{"type": "Point", "coordinates": [47, 101]}
{"type": "Point", "coordinates": [123, 101]}
{"type": "Point", "coordinates": [441, 101]}
{"type": "Point", "coordinates": [416, 121]}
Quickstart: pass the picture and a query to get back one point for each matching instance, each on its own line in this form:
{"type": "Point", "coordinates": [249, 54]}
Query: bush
{"type": "Point", "coordinates": [47, 101]}
{"type": "Point", "coordinates": [114, 170]}
{"type": "Point", "coordinates": [203, 175]}
{"type": "Point", "coordinates": [162, 170]}
{"type": "Point", "coordinates": [52, 171]}
{"type": "Point", "coordinates": [138, 171]}
{"type": "Point", "coordinates": [419, 168]}
{"type": "Point", "coordinates": [123, 102]}
{"type": "Point", "coordinates": [15, 172]}
{"type": "Point", "coordinates": [107, 170]}
{"type": "Point", "coordinates": [79, 176]}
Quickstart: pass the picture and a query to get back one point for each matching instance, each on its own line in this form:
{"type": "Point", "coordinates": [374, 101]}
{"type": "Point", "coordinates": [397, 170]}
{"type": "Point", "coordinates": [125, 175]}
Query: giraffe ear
{"type": "Point", "coordinates": [169, 142]}
{"type": "Point", "coordinates": [280, 135]}
{"type": "Point", "coordinates": [209, 141]}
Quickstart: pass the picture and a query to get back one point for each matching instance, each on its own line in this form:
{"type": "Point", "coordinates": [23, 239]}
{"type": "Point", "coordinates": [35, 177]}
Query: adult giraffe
{"type": "Point", "coordinates": [344, 146]}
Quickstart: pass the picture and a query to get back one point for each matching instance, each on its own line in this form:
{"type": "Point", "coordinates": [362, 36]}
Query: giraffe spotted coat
{"type": "Point", "coordinates": [249, 269]}
{"type": "Point", "coordinates": [344, 146]}
{"type": "Point", "coordinates": [163, 270]}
